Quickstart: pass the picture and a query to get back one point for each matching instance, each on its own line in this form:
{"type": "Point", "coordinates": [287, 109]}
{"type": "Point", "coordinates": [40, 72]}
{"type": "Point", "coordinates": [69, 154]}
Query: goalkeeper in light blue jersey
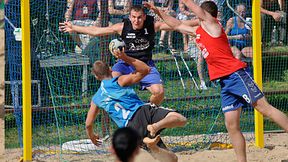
{"type": "Point", "coordinates": [117, 97]}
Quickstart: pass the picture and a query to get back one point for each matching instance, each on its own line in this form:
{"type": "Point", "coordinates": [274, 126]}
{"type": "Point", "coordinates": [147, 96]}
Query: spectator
{"type": "Point", "coordinates": [274, 8]}
{"type": "Point", "coordinates": [83, 13]}
{"type": "Point", "coordinates": [239, 36]}
{"type": "Point", "coordinates": [118, 9]}
{"type": "Point", "coordinates": [183, 15]}
{"type": "Point", "coordinates": [167, 7]}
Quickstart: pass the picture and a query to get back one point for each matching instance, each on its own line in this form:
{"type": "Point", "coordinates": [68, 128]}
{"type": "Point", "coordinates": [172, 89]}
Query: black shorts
{"type": "Point", "coordinates": [147, 115]}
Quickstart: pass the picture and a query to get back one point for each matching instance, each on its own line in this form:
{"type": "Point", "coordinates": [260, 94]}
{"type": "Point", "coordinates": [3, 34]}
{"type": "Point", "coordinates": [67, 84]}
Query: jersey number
{"type": "Point", "coordinates": [246, 98]}
{"type": "Point", "coordinates": [125, 112]}
{"type": "Point", "coordinates": [146, 32]}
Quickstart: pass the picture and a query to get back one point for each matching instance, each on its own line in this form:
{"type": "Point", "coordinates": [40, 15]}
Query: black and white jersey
{"type": "Point", "coordinates": [139, 43]}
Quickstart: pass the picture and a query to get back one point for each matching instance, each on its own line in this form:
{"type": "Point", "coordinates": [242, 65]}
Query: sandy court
{"type": "Point", "coordinates": [276, 150]}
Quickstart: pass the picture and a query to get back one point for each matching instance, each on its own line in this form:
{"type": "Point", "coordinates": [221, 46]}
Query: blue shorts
{"type": "Point", "coordinates": [152, 78]}
{"type": "Point", "coordinates": [237, 89]}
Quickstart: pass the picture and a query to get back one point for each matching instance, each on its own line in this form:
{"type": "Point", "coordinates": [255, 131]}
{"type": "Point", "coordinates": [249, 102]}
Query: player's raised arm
{"type": "Point", "coordinates": [198, 11]}
{"type": "Point", "coordinates": [141, 71]}
{"type": "Point", "coordinates": [171, 22]}
{"type": "Point", "coordinates": [91, 30]}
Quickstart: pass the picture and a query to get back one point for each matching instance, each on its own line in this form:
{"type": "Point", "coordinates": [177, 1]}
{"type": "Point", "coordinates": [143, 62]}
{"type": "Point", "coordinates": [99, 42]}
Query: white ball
{"type": "Point", "coordinates": [116, 44]}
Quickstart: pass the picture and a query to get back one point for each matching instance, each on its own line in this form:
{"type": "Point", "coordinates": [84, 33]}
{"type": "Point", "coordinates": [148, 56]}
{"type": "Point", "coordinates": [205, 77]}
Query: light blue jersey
{"type": "Point", "coordinates": [119, 102]}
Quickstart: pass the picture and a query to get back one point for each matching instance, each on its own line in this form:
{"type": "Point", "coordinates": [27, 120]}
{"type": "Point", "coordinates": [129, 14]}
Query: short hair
{"type": "Point", "coordinates": [125, 141]}
{"type": "Point", "coordinates": [210, 7]}
{"type": "Point", "coordinates": [100, 68]}
{"type": "Point", "coordinates": [240, 4]}
{"type": "Point", "coordinates": [137, 8]}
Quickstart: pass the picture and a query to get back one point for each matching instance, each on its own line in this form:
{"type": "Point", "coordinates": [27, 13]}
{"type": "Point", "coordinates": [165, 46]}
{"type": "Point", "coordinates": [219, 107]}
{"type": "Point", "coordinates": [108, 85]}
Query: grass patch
{"type": "Point", "coordinates": [276, 49]}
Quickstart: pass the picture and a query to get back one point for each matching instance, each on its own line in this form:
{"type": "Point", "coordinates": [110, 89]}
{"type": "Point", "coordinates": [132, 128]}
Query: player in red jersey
{"type": "Point", "coordinates": [237, 86]}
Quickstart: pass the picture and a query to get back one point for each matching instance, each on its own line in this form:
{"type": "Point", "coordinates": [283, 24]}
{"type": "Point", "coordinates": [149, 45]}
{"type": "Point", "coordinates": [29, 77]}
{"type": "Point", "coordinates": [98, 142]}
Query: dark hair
{"type": "Point", "coordinates": [100, 68]}
{"type": "Point", "coordinates": [137, 8]}
{"type": "Point", "coordinates": [125, 141]}
{"type": "Point", "coordinates": [210, 7]}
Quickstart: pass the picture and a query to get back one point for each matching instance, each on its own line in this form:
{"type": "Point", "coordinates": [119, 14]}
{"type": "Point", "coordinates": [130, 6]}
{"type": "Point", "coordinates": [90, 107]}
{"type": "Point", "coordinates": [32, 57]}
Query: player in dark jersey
{"type": "Point", "coordinates": [237, 86]}
{"type": "Point", "coordinates": [138, 32]}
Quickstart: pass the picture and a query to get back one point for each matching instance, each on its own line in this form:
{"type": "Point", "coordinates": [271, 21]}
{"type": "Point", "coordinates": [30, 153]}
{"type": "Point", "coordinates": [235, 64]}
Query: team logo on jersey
{"type": "Point", "coordinates": [131, 35]}
{"type": "Point", "coordinates": [252, 86]}
{"type": "Point", "coordinates": [205, 53]}
{"type": "Point", "coordinates": [146, 32]}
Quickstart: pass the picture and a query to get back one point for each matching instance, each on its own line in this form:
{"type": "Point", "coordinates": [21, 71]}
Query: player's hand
{"type": "Point", "coordinates": [66, 27]}
{"type": "Point", "coordinates": [150, 5]}
{"type": "Point", "coordinates": [96, 140]}
{"type": "Point", "coordinates": [119, 53]}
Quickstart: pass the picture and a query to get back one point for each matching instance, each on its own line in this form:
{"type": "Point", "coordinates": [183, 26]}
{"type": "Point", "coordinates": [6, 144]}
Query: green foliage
{"type": "Point", "coordinates": [285, 76]}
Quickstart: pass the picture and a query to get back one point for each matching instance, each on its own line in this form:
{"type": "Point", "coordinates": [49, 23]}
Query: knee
{"type": "Point", "coordinates": [181, 120]}
{"type": "Point", "coordinates": [232, 127]}
{"type": "Point", "coordinates": [263, 107]}
{"type": "Point", "coordinates": [158, 92]}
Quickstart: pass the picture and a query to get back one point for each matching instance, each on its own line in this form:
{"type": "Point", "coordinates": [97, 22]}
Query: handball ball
{"type": "Point", "coordinates": [116, 44]}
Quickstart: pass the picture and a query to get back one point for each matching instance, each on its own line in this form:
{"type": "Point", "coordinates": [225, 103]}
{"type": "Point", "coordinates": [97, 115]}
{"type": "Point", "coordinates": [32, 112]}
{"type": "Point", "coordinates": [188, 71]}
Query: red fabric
{"type": "Point", "coordinates": [218, 54]}
{"type": "Point", "coordinates": [91, 9]}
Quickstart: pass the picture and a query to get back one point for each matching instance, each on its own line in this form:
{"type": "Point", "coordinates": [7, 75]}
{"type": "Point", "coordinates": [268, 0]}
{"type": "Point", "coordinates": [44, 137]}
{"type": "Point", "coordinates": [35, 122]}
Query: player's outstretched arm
{"type": "Point", "coordinates": [142, 69]}
{"type": "Point", "coordinates": [171, 22]}
{"type": "Point", "coordinates": [198, 11]}
{"type": "Point", "coordinates": [91, 116]}
{"type": "Point", "coordinates": [90, 30]}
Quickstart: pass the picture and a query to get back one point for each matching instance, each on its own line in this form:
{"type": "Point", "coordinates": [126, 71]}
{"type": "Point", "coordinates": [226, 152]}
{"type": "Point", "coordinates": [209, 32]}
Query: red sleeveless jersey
{"type": "Point", "coordinates": [218, 54]}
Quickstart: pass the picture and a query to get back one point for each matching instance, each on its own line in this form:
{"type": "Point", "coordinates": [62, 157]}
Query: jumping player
{"type": "Point", "coordinates": [138, 33]}
{"type": "Point", "coordinates": [237, 86]}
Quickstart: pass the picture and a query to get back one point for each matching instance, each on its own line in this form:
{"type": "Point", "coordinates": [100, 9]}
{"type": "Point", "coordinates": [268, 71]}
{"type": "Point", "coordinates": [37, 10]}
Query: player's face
{"type": "Point", "coordinates": [137, 19]}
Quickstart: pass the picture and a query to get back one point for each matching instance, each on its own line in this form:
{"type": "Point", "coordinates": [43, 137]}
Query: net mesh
{"type": "Point", "coordinates": [62, 86]}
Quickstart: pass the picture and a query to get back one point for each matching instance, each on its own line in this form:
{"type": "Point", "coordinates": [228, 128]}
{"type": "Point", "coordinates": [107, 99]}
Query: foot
{"type": "Point", "coordinates": [152, 130]}
{"type": "Point", "coordinates": [151, 142]}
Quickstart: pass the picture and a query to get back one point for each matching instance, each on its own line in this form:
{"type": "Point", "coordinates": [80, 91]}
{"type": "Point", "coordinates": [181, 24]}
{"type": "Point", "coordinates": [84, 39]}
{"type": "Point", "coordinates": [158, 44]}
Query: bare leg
{"type": "Point", "coordinates": [268, 110]}
{"type": "Point", "coordinates": [171, 120]}
{"type": "Point", "coordinates": [236, 52]}
{"type": "Point", "coordinates": [158, 153]}
{"type": "Point", "coordinates": [162, 36]}
{"type": "Point", "coordinates": [200, 71]}
{"type": "Point", "coordinates": [77, 39]}
{"type": "Point", "coordinates": [157, 93]}
{"type": "Point", "coordinates": [185, 42]}
{"type": "Point", "coordinates": [247, 52]}
{"type": "Point", "coordinates": [170, 43]}
{"type": "Point", "coordinates": [232, 122]}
